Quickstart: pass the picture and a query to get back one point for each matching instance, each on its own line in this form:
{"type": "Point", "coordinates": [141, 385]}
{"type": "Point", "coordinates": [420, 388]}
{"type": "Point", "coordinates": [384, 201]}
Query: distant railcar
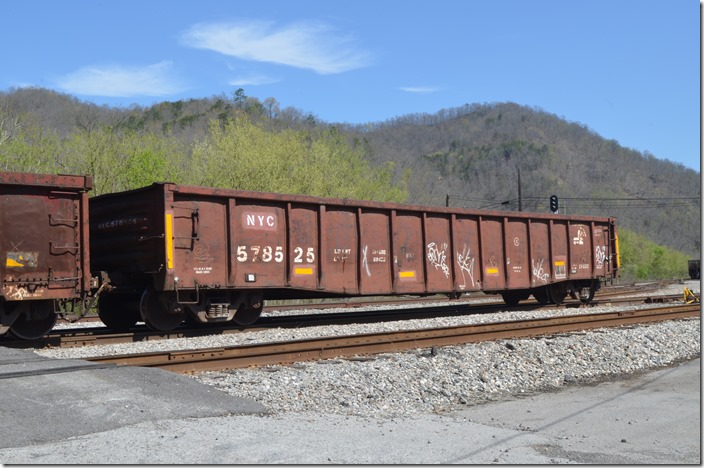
{"type": "Point", "coordinates": [45, 249]}
{"type": "Point", "coordinates": [694, 266]}
{"type": "Point", "coordinates": [173, 252]}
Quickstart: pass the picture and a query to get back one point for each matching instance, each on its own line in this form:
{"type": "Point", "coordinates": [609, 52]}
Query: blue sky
{"type": "Point", "coordinates": [627, 69]}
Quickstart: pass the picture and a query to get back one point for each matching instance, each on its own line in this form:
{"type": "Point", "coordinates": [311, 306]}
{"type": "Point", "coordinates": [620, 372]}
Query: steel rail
{"type": "Point", "coordinates": [190, 361]}
{"type": "Point", "coordinates": [79, 337]}
{"type": "Point", "coordinates": [606, 292]}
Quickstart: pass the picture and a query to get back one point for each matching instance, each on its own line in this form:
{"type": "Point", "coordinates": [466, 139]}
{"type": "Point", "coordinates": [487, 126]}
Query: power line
{"type": "Point", "coordinates": [589, 202]}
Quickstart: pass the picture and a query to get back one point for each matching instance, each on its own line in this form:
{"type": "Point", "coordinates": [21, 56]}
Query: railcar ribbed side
{"type": "Point", "coordinates": [216, 254]}
{"type": "Point", "coordinates": [44, 249]}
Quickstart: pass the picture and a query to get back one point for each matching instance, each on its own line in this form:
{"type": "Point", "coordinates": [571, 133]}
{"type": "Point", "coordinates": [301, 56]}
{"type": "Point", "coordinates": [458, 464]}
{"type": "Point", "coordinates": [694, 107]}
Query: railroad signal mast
{"type": "Point", "coordinates": [553, 203]}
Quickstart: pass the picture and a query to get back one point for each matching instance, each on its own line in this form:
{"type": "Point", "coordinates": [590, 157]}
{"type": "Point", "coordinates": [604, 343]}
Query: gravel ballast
{"type": "Point", "coordinates": [432, 381]}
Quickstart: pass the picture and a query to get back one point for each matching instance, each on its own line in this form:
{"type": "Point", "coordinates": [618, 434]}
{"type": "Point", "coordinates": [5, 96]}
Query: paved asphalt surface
{"type": "Point", "coordinates": [75, 412]}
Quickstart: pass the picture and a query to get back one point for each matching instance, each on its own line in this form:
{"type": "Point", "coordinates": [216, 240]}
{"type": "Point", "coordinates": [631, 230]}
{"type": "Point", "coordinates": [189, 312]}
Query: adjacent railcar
{"type": "Point", "coordinates": [694, 268]}
{"type": "Point", "coordinates": [174, 252]}
{"type": "Point", "coordinates": [45, 249]}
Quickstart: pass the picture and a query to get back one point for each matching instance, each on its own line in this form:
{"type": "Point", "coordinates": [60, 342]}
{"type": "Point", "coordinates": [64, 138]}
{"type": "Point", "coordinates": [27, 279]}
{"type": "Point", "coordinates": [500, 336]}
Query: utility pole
{"type": "Point", "coordinates": [520, 200]}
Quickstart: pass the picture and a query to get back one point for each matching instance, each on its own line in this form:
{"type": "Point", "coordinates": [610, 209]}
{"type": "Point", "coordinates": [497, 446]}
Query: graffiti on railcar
{"type": "Point", "coordinates": [465, 261]}
{"type": "Point", "coordinates": [438, 257]}
{"type": "Point", "coordinates": [600, 254]}
{"type": "Point", "coordinates": [538, 272]}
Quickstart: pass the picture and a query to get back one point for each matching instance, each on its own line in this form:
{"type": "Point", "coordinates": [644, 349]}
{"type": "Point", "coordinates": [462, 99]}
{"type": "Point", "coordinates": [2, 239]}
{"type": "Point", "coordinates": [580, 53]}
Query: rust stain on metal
{"type": "Point", "coordinates": [44, 248]}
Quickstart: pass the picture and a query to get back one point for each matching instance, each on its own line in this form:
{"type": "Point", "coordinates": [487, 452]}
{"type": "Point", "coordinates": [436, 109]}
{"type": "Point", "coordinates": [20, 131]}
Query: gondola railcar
{"type": "Point", "coordinates": [172, 252]}
{"type": "Point", "coordinates": [44, 248]}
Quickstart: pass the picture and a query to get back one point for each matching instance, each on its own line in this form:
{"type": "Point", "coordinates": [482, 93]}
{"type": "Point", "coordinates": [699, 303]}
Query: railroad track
{"type": "Point", "coordinates": [212, 359]}
{"type": "Point", "coordinates": [66, 338]}
{"type": "Point", "coordinates": [606, 292]}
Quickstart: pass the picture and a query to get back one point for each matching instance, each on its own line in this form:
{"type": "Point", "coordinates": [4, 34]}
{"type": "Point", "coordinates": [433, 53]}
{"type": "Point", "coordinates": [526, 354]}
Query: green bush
{"type": "Point", "coordinates": [642, 259]}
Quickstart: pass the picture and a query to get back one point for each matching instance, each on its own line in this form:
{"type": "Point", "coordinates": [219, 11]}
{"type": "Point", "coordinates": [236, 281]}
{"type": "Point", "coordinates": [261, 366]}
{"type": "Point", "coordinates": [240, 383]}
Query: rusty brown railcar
{"type": "Point", "coordinates": [174, 252]}
{"type": "Point", "coordinates": [45, 249]}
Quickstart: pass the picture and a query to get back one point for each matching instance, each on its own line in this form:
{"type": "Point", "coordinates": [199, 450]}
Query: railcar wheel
{"type": "Point", "coordinates": [118, 312]}
{"type": "Point", "coordinates": [35, 320]}
{"type": "Point", "coordinates": [155, 313]}
{"type": "Point", "coordinates": [588, 297]}
{"type": "Point", "coordinates": [541, 295]}
{"type": "Point", "coordinates": [247, 315]}
{"type": "Point", "coordinates": [250, 310]}
{"type": "Point", "coordinates": [557, 293]}
{"type": "Point", "coordinates": [8, 314]}
{"type": "Point", "coordinates": [512, 298]}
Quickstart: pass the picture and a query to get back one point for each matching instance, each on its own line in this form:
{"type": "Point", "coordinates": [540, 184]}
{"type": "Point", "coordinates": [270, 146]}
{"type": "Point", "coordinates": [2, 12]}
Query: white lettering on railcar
{"type": "Point", "coordinates": [298, 254]}
{"type": "Point", "coordinates": [581, 234]}
{"type": "Point", "coordinates": [341, 255]}
{"type": "Point", "coordinates": [259, 253]}
{"type": "Point", "coordinates": [259, 220]}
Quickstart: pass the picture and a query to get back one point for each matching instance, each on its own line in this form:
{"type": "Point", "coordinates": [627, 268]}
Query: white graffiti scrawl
{"type": "Point", "coordinates": [365, 262]}
{"type": "Point", "coordinates": [437, 257]}
{"type": "Point", "coordinates": [538, 272]}
{"type": "Point", "coordinates": [466, 263]}
{"type": "Point", "coordinates": [600, 253]}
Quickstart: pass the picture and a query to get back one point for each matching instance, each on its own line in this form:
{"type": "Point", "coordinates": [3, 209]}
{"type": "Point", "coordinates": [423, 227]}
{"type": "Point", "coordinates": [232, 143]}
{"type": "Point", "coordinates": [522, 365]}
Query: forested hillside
{"type": "Point", "coordinates": [469, 156]}
{"type": "Point", "coordinates": [474, 154]}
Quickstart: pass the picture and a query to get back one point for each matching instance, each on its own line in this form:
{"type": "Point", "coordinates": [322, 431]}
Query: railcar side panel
{"type": "Point", "coordinates": [517, 264]}
{"type": "Point", "coordinates": [303, 242]}
{"type": "Point", "coordinates": [492, 248]}
{"type": "Point", "coordinates": [259, 230]}
{"type": "Point", "coordinates": [599, 250]}
{"type": "Point", "coordinates": [408, 253]}
{"type": "Point", "coordinates": [375, 241]}
{"type": "Point", "coordinates": [466, 253]}
{"type": "Point", "coordinates": [438, 259]}
{"type": "Point", "coordinates": [127, 235]}
{"type": "Point", "coordinates": [340, 257]}
{"type": "Point", "coordinates": [540, 253]}
{"type": "Point", "coordinates": [198, 252]}
{"type": "Point", "coordinates": [558, 250]}
{"type": "Point", "coordinates": [580, 244]}
{"type": "Point", "coordinates": [44, 252]}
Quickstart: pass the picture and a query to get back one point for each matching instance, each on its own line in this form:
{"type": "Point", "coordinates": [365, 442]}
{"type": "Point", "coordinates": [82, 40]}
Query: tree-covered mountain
{"type": "Point", "coordinates": [475, 154]}
{"type": "Point", "coordinates": [470, 156]}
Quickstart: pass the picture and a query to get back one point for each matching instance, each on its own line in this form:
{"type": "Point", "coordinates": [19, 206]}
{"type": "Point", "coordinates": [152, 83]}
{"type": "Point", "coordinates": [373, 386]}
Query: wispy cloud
{"type": "Point", "coordinates": [419, 89]}
{"type": "Point", "coordinates": [252, 80]}
{"type": "Point", "coordinates": [122, 81]}
{"type": "Point", "coordinates": [312, 46]}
